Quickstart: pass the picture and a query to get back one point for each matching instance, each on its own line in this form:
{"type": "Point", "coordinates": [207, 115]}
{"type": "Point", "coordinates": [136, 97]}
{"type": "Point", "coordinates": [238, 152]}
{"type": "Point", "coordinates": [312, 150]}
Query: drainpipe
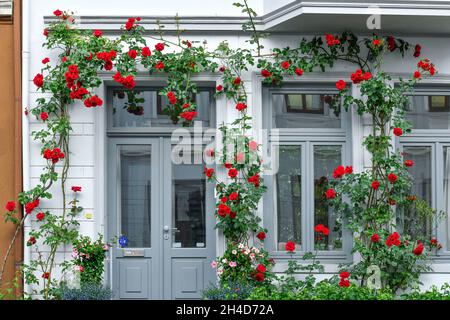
{"type": "Point", "coordinates": [25, 123]}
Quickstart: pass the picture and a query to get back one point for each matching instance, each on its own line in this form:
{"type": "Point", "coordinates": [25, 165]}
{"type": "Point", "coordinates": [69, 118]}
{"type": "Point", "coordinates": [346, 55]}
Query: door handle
{"type": "Point", "coordinates": [166, 229]}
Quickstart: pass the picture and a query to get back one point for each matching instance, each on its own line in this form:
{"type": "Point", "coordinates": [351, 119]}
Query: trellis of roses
{"type": "Point", "coordinates": [71, 81]}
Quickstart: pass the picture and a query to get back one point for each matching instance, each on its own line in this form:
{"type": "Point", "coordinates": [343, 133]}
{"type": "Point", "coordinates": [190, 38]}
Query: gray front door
{"type": "Point", "coordinates": [165, 209]}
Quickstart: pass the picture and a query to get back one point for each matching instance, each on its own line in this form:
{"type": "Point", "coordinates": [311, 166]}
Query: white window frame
{"type": "Point", "coordinates": [437, 139]}
{"type": "Point", "coordinates": [307, 138]}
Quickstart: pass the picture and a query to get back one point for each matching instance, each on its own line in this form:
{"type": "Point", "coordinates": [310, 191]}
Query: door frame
{"type": "Point", "coordinates": [161, 252]}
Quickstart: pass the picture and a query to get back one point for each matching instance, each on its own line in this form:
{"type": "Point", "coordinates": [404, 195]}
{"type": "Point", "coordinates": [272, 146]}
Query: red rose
{"type": "Point", "coordinates": [290, 246]}
{"type": "Point", "coordinates": [46, 275]}
{"type": "Point", "coordinates": [348, 170]}
{"type": "Point", "coordinates": [234, 196]}
{"type": "Point", "coordinates": [409, 163]}
{"type": "Point", "coordinates": [45, 61]}
{"type": "Point", "coordinates": [359, 76]}
{"type": "Point", "coordinates": [344, 283]}
{"type": "Point", "coordinates": [237, 81]}
{"type": "Point", "coordinates": [98, 33]}
{"type": "Point", "coordinates": [224, 199]}
{"type": "Point", "coordinates": [223, 210]}
{"type": "Point", "coordinates": [265, 73]}
{"type": "Point", "coordinates": [261, 235]}
{"type": "Point", "coordinates": [391, 43]}
{"type": "Point", "coordinates": [232, 215]}
{"type": "Point", "coordinates": [31, 241]}
{"type": "Point", "coordinates": [130, 24]}
{"type": "Point", "coordinates": [331, 40]}
{"type": "Point", "coordinates": [398, 132]}
{"type": "Point", "coordinates": [209, 172]}
{"type": "Point", "coordinates": [30, 206]}
{"type": "Point", "coordinates": [417, 50]}
{"type": "Point", "coordinates": [146, 52]}
{"type": "Point", "coordinates": [222, 69]}
{"type": "Point", "coordinates": [254, 180]}
{"type": "Point", "coordinates": [375, 185]}
{"type": "Point", "coordinates": [188, 115]}
{"type": "Point", "coordinates": [339, 172]}
{"type": "Point", "coordinates": [417, 75]}
{"type": "Point", "coordinates": [376, 42]}
{"type": "Point", "coordinates": [261, 268]}
{"type": "Point", "coordinates": [40, 216]}
{"type": "Point", "coordinates": [241, 106]}
{"type": "Point", "coordinates": [54, 155]}
{"type": "Point", "coordinates": [344, 274]}
{"type": "Point", "coordinates": [320, 228]}
{"type": "Point", "coordinates": [375, 238]}
{"type": "Point", "coordinates": [132, 54]}
{"type": "Point", "coordinates": [93, 101]}
{"type": "Point", "coordinates": [393, 239]}
{"type": "Point", "coordinates": [44, 116]}
{"type": "Point", "coordinates": [340, 85]}
{"type": "Point", "coordinates": [10, 206]}
{"type": "Point", "coordinates": [160, 65]}
{"type": "Point", "coordinates": [38, 80]}
{"type": "Point", "coordinates": [159, 47]}
{"type": "Point", "coordinates": [285, 65]}
{"type": "Point", "coordinates": [392, 177]}
{"type": "Point", "coordinates": [219, 88]}
{"type": "Point", "coordinates": [330, 194]}
{"type": "Point", "coordinates": [76, 189]}
{"type": "Point", "coordinates": [232, 173]}
{"type": "Point", "coordinates": [45, 33]}
{"type": "Point", "coordinates": [418, 250]}
{"type": "Point", "coordinates": [298, 71]}
{"type": "Point", "coordinates": [259, 277]}
{"type": "Point", "coordinates": [57, 12]}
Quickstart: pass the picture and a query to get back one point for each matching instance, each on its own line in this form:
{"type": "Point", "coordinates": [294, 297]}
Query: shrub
{"type": "Point", "coordinates": [433, 294]}
{"type": "Point", "coordinates": [88, 291]}
{"type": "Point", "coordinates": [228, 291]}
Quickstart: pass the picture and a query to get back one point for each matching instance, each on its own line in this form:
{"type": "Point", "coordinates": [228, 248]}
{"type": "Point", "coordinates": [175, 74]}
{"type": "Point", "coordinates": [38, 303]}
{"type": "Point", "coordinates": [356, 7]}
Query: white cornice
{"type": "Point", "coordinates": [273, 18]}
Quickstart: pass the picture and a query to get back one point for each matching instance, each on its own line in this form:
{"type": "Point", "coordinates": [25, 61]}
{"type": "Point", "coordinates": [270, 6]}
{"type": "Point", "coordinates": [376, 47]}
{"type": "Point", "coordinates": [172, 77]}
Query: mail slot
{"type": "Point", "coordinates": [133, 252]}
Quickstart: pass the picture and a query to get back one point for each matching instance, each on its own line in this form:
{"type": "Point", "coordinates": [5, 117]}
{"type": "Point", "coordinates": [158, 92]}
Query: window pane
{"type": "Point", "coordinates": [447, 190]}
{"type": "Point", "coordinates": [135, 194]}
{"type": "Point", "coordinates": [188, 189]}
{"type": "Point", "coordinates": [288, 191]}
{"type": "Point", "coordinates": [303, 111]}
{"type": "Point", "coordinates": [413, 219]}
{"type": "Point", "coordinates": [326, 159]}
{"type": "Point", "coordinates": [429, 112]}
{"type": "Point", "coordinates": [150, 112]}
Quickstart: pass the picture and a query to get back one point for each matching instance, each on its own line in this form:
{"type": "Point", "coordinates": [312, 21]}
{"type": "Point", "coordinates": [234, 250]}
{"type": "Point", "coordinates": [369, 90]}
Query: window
{"type": "Point", "coordinates": [308, 140]}
{"type": "Point", "coordinates": [149, 112]}
{"type": "Point", "coordinates": [428, 145]}
{"type": "Point", "coordinates": [429, 108]}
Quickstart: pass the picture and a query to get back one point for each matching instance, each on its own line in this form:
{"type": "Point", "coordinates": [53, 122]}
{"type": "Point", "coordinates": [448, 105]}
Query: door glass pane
{"type": "Point", "coordinates": [447, 191]}
{"type": "Point", "coordinates": [288, 190]}
{"type": "Point", "coordinates": [413, 219]}
{"type": "Point", "coordinates": [303, 111]}
{"type": "Point", "coordinates": [150, 111]}
{"type": "Point", "coordinates": [326, 159]}
{"type": "Point", "coordinates": [135, 194]}
{"type": "Point", "coordinates": [188, 203]}
{"type": "Point", "coordinates": [429, 112]}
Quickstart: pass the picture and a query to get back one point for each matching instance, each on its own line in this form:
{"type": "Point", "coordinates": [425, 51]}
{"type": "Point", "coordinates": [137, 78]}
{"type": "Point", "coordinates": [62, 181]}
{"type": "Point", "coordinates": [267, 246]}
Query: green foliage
{"type": "Point", "coordinates": [89, 257]}
{"type": "Point", "coordinates": [433, 293]}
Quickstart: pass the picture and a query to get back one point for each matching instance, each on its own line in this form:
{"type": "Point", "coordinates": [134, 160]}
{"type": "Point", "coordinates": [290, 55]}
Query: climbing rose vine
{"type": "Point", "coordinates": [368, 199]}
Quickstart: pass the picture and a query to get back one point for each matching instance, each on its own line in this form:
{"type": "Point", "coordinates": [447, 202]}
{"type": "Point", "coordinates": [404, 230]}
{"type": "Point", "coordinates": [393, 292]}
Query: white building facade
{"type": "Point", "coordinates": [166, 210]}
